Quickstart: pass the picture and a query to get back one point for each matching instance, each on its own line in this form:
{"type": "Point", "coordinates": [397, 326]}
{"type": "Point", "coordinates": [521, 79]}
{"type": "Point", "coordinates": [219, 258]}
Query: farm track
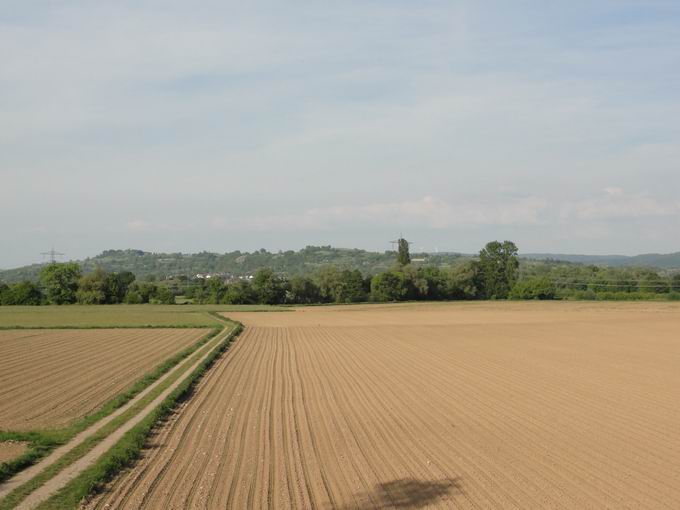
{"type": "Point", "coordinates": [49, 378]}
{"type": "Point", "coordinates": [551, 406]}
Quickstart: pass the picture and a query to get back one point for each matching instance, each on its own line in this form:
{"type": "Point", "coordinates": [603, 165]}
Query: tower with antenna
{"type": "Point", "coordinates": [53, 255]}
{"type": "Point", "coordinates": [395, 243]}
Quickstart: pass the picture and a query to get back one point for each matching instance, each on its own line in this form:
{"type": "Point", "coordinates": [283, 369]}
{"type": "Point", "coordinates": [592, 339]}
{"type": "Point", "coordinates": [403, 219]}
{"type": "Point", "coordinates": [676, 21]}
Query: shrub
{"type": "Point", "coordinates": [162, 296]}
{"type": "Point", "coordinates": [239, 293]}
{"type": "Point", "coordinates": [463, 281]}
{"type": "Point", "coordinates": [22, 293]}
{"type": "Point", "coordinates": [675, 283]}
{"type": "Point", "coordinates": [534, 288]}
{"type": "Point", "coordinates": [132, 298]}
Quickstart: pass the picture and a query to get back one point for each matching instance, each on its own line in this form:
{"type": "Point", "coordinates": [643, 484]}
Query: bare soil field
{"type": "Point", "coordinates": [491, 405]}
{"type": "Point", "coordinates": [10, 450]}
{"type": "Point", "coordinates": [49, 378]}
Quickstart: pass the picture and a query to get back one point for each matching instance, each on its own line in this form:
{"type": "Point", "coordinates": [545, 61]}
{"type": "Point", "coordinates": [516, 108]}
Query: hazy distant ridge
{"type": "Point", "coordinates": [304, 261]}
{"type": "Point", "coordinates": [656, 260]}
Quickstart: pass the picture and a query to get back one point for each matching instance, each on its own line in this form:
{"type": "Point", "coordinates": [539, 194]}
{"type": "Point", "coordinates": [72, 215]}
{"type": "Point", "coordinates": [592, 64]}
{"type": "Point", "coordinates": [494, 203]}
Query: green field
{"type": "Point", "coordinates": [103, 316]}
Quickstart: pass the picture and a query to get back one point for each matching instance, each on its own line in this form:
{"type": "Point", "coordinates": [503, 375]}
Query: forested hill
{"type": "Point", "coordinates": [237, 263]}
{"type": "Point", "coordinates": [652, 260]}
{"type": "Point", "coordinates": [302, 262]}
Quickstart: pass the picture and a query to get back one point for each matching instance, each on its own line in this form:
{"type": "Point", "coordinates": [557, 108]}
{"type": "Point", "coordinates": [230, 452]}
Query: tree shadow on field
{"type": "Point", "coordinates": [405, 493]}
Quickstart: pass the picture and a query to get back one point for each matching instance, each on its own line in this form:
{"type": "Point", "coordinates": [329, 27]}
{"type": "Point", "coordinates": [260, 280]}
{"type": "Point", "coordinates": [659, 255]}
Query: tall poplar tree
{"type": "Point", "coordinates": [403, 255]}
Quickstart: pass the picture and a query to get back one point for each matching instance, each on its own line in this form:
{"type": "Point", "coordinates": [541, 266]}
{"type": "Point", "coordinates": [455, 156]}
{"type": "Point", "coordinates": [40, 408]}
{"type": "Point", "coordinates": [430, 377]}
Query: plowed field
{"type": "Point", "coordinates": [48, 378]}
{"type": "Point", "coordinates": [499, 405]}
{"type": "Point", "coordinates": [10, 450]}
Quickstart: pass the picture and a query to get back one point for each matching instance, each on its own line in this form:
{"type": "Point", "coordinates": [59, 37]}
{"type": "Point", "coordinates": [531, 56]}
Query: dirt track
{"type": "Point", "coordinates": [500, 405]}
{"type": "Point", "coordinates": [49, 378]}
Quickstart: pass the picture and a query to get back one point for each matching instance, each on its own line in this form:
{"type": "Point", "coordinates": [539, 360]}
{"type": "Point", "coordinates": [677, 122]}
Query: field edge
{"type": "Point", "coordinates": [42, 442]}
{"type": "Point", "coordinates": [128, 449]}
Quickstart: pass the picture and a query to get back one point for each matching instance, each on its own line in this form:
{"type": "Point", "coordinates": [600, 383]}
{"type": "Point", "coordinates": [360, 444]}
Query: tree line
{"type": "Point", "coordinates": [567, 280]}
{"type": "Point", "coordinates": [61, 284]}
{"type": "Point", "coordinates": [494, 274]}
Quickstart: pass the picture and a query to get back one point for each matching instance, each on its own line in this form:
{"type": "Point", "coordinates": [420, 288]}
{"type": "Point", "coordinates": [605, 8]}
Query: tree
{"type": "Point", "coordinates": [269, 287]}
{"type": "Point", "coordinates": [141, 292]}
{"type": "Point", "coordinates": [435, 283]}
{"type": "Point", "coordinates": [60, 282]}
{"type": "Point", "coordinates": [328, 281]}
{"type": "Point", "coordinates": [215, 291]}
{"type": "Point", "coordinates": [652, 282]}
{"type": "Point", "coordinates": [117, 286]}
{"type": "Point", "coordinates": [93, 288]}
{"type": "Point", "coordinates": [388, 286]}
{"type": "Point", "coordinates": [346, 286]}
{"type": "Point", "coordinates": [498, 269]}
{"type": "Point", "coordinates": [240, 293]}
{"type": "Point", "coordinates": [622, 280]}
{"type": "Point", "coordinates": [146, 290]}
{"type": "Point", "coordinates": [675, 282]}
{"type": "Point", "coordinates": [351, 288]}
{"type": "Point", "coordinates": [462, 281]}
{"type": "Point", "coordinates": [303, 290]}
{"type": "Point", "coordinates": [417, 285]}
{"type": "Point", "coordinates": [403, 255]}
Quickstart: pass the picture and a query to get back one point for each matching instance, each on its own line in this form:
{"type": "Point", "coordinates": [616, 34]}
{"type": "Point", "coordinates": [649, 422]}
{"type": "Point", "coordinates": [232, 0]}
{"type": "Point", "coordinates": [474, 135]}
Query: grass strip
{"type": "Point", "coordinates": [42, 442]}
{"type": "Point", "coordinates": [21, 492]}
{"type": "Point", "coordinates": [124, 453]}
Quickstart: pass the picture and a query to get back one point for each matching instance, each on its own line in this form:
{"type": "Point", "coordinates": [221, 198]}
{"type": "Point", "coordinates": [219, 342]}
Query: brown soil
{"type": "Point", "coordinates": [10, 450]}
{"type": "Point", "coordinates": [70, 472]}
{"type": "Point", "coordinates": [48, 378]}
{"type": "Point", "coordinates": [498, 405]}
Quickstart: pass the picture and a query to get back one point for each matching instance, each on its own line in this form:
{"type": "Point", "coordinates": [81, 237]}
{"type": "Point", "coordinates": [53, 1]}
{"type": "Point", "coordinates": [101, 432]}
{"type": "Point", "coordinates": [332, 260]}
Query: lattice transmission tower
{"type": "Point", "coordinates": [53, 255]}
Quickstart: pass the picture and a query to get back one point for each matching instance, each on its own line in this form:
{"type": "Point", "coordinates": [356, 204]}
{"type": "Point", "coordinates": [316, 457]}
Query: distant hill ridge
{"type": "Point", "coordinates": [655, 260]}
{"type": "Point", "coordinates": [144, 264]}
{"type": "Point", "coordinates": [305, 261]}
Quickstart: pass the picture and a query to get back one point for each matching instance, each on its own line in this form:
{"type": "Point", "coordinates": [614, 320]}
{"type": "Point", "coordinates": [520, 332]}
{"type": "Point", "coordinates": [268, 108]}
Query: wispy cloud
{"type": "Point", "coordinates": [139, 225]}
{"type": "Point", "coordinates": [615, 204]}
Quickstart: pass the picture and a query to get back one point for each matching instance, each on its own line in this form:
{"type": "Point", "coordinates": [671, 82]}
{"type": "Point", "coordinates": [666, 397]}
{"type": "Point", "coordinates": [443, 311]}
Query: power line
{"type": "Point", "coordinates": [566, 279]}
{"type": "Point", "coordinates": [595, 284]}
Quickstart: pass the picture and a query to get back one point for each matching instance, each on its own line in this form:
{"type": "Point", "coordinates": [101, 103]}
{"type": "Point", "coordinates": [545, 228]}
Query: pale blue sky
{"type": "Point", "coordinates": [187, 126]}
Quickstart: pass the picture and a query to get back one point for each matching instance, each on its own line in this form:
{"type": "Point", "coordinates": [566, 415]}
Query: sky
{"type": "Point", "coordinates": [218, 125]}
